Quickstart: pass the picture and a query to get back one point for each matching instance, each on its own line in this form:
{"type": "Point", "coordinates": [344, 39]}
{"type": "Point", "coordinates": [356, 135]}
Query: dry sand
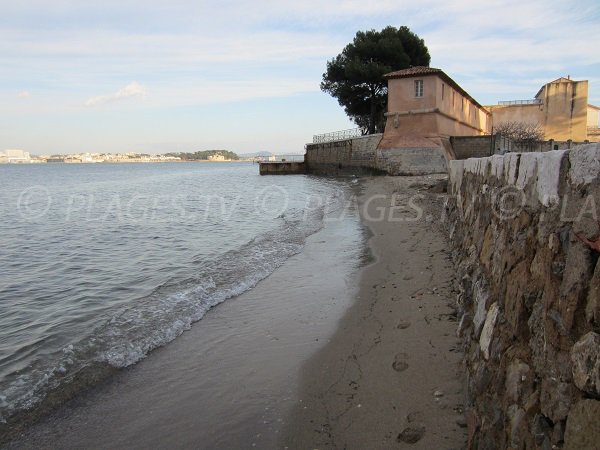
{"type": "Point", "coordinates": [310, 358]}
{"type": "Point", "coordinates": [389, 377]}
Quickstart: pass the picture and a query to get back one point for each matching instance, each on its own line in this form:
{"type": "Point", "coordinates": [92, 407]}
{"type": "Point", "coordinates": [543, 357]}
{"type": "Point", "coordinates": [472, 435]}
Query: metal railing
{"type": "Point", "coordinates": [281, 158]}
{"type": "Point", "coordinates": [535, 101]}
{"type": "Point", "coordinates": [337, 135]}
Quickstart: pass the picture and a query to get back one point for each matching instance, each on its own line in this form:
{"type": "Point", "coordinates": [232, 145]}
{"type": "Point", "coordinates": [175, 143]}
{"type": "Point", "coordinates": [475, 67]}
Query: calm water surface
{"type": "Point", "coordinates": [100, 264]}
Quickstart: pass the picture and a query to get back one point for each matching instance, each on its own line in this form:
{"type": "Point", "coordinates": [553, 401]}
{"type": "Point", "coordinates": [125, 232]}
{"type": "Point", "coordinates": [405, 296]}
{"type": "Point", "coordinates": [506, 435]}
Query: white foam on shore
{"type": "Point", "coordinates": [156, 320]}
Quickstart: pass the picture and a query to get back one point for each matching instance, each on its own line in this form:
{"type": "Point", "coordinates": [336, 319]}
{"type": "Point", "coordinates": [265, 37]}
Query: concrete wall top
{"type": "Point", "coordinates": [543, 173]}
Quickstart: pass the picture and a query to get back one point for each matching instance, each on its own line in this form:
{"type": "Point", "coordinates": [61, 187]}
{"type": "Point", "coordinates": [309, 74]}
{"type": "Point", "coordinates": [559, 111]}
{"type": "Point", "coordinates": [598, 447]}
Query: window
{"type": "Point", "coordinates": [418, 88]}
{"type": "Point", "coordinates": [443, 86]}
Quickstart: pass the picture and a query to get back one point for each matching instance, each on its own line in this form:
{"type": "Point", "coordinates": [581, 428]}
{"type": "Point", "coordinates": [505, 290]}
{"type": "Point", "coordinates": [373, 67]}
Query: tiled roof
{"type": "Point", "coordinates": [412, 71]}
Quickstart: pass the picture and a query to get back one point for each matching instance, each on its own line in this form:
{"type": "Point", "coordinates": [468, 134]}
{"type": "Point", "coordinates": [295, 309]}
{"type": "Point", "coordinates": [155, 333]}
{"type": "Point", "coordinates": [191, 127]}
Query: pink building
{"type": "Point", "coordinates": [425, 108]}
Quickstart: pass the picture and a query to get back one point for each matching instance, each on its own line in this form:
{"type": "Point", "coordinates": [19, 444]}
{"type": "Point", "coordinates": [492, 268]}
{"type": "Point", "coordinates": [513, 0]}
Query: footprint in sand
{"type": "Point", "coordinates": [400, 364]}
{"type": "Point", "coordinates": [403, 324]}
{"type": "Point", "coordinates": [407, 277]}
{"type": "Point", "coordinates": [412, 434]}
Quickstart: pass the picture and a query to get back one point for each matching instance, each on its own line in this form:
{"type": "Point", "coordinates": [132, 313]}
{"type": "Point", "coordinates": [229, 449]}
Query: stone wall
{"type": "Point", "coordinates": [465, 147]}
{"type": "Point", "coordinates": [282, 168]}
{"type": "Point", "coordinates": [412, 161]}
{"type": "Point", "coordinates": [472, 146]}
{"type": "Point", "coordinates": [362, 155]}
{"type": "Point", "coordinates": [527, 239]}
{"type": "Point", "coordinates": [350, 156]}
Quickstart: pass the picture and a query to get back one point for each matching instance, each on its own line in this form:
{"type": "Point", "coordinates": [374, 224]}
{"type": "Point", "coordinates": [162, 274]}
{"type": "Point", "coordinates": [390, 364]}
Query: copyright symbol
{"type": "Point", "coordinates": [508, 202]}
{"type": "Point", "coordinates": [269, 200]}
{"type": "Point", "coordinates": [34, 202]}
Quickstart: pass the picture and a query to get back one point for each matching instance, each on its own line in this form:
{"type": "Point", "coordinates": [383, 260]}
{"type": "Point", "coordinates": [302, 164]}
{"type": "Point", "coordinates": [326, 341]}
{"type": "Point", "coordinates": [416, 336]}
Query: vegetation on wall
{"type": "Point", "coordinates": [355, 76]}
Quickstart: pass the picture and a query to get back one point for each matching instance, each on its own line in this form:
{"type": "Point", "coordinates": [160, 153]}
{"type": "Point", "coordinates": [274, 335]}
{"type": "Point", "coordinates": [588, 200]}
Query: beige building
{"type": "Point", "coordinates": [15, 156]}
{"type": "Point", "coordinates": [593, 123]}
{"type": "Point", "coordinates": [560, 107]}
{"type": "Point", "coordinates": [216, 157]}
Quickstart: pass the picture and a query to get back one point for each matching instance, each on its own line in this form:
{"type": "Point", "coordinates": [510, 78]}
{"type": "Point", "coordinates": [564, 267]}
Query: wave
{"type": "Point", "coordinates": [162, 316]}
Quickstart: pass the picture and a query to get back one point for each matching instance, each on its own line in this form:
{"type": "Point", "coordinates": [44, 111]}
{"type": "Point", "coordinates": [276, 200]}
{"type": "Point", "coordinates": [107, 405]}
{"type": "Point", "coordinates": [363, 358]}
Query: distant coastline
{"type": "Point", "coordinates": [216, 156]}
{"type": "Point", "coordinates": [130, 161]}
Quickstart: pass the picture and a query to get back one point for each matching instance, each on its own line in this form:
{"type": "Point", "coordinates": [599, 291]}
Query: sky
{"type": "Point", "coordinates": [159, 76]}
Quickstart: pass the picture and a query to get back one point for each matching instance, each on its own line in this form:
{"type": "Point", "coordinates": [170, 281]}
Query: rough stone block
{"type": "Point", "coordinates": [481, 298]}
{"type": "Point", "coordinates": [555, 399]}
{"type": "Point", "coordinates": [488, 330]}
{"type": "Point", "coordinates": [585, 164]}
{"type": "Point", "coordinates": [456, 169]}
{"type": "Point", "coordinates": [583, 426]}
{"type": "Point", "coordinates": [548, 177]}
{"type": "Point", "coordinates": [518, 281]}
{"type": "Point", "coordinates": [592, 308]}
{"type": "Point", "coordinates": [541, 431]}
{"type": "Point", "coordinates": [528, 167]}
{"type": "Point", "coordinates": [585, 356]}
{"type": "Point", "coordinates": [578, 267]}
{"type": "Point", "coordinates": [519, 382]}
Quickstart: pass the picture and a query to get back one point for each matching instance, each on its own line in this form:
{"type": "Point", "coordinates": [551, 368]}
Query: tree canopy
{"type": "Point", "coordinates": [355, 76]}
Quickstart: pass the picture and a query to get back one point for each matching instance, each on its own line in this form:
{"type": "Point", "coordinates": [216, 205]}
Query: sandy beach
{"type": "Point", "coordinates": [325, 353]}
{"type": "Point", "coordinates": [389, 377]}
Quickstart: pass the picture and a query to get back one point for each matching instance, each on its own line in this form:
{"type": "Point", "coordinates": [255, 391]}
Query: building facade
{"type": "Point", "coordinates": [14, 156]}
{"type": "Point", "coordinates": [424, 101]}
{"type": "Point", "coordinates": [560, 108]}
{"type": "Point", "coordinates": [593, 123]}
{"type": "Point", "coordinates": [425, 108]}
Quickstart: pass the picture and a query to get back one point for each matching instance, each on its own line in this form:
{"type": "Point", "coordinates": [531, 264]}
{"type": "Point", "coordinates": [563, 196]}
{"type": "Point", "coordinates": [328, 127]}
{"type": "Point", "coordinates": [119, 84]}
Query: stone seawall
{"type": "Point", "coordinates": [282, 168]}
{"type": "Point", "coordinates": [527, 239]}
{"type": "Point", "coordinates": [362, 155]}
{"type": "Point", "coordinates": [349, 156]}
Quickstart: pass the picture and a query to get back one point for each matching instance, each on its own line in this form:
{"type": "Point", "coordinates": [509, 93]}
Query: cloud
{"type": "Point", "coordinates": [24, 94]}
{"type": "Point", "coordinates": [197, 53]}
{"type": "Point", "coordinates": [132, 90]}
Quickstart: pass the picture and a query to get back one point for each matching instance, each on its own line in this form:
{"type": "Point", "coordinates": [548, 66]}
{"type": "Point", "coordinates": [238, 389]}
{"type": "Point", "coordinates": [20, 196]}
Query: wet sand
{"type": "Point", "coordinates": [319, 355]}
{"type": "Point", "coordinates": [389, 378]}
{"type": "Point", "coordinates": [231, 380]}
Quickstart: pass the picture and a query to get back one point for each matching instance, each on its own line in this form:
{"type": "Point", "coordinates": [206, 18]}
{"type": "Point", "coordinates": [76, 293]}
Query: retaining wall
{"type": "Point", "coordinates": [350, 156]}
{"type": "Point", "coordinates": [282, 168]}
{"type": "Point", "coordinates": [465, 147]}
{"type": "Point", "coordinates": [527, 240]}
{"type": "Point", "coordinates": [472, 146]}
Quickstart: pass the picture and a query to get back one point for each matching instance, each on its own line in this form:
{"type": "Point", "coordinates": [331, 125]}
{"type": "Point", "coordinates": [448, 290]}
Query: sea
{"type": "Point", "coordinates": [100, 264]}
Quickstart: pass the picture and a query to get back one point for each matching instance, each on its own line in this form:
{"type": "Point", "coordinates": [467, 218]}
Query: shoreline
{"type": "Point", "coordinates": [390, 376]}
{"type": "Point", "coordinates": [230, 380]}
{"type": "Point", "coordinates": [338, 355]}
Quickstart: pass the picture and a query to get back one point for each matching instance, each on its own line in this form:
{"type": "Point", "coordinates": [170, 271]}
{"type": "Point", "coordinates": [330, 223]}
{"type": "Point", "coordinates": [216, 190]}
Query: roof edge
{"type": "Point", "coordinates": [407, 73]}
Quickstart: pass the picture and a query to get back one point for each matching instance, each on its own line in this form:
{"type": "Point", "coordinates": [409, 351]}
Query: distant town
{"type": "Point", "coordinates": [16, 156]}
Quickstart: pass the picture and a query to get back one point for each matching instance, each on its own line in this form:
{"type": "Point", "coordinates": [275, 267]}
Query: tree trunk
{"type": "Point", "coordinates": [373, 115]}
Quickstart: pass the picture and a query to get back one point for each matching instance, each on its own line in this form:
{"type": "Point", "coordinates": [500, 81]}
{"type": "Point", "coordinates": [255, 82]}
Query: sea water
{"type": "Point", "coordinates": [102, 263]}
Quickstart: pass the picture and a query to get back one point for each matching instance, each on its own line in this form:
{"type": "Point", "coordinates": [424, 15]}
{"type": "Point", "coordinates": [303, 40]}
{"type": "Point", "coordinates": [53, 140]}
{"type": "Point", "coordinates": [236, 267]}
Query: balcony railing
{"type": "Point", "coordinates": [337, 135]}
{"type": "Point", "coordinates": [535, 101]}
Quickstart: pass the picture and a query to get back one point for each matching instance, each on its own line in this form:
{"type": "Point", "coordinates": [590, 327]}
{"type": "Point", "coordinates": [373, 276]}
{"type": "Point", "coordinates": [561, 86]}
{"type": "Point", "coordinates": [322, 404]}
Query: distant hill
{"type": "Point", "coordinates": [204, 154]}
